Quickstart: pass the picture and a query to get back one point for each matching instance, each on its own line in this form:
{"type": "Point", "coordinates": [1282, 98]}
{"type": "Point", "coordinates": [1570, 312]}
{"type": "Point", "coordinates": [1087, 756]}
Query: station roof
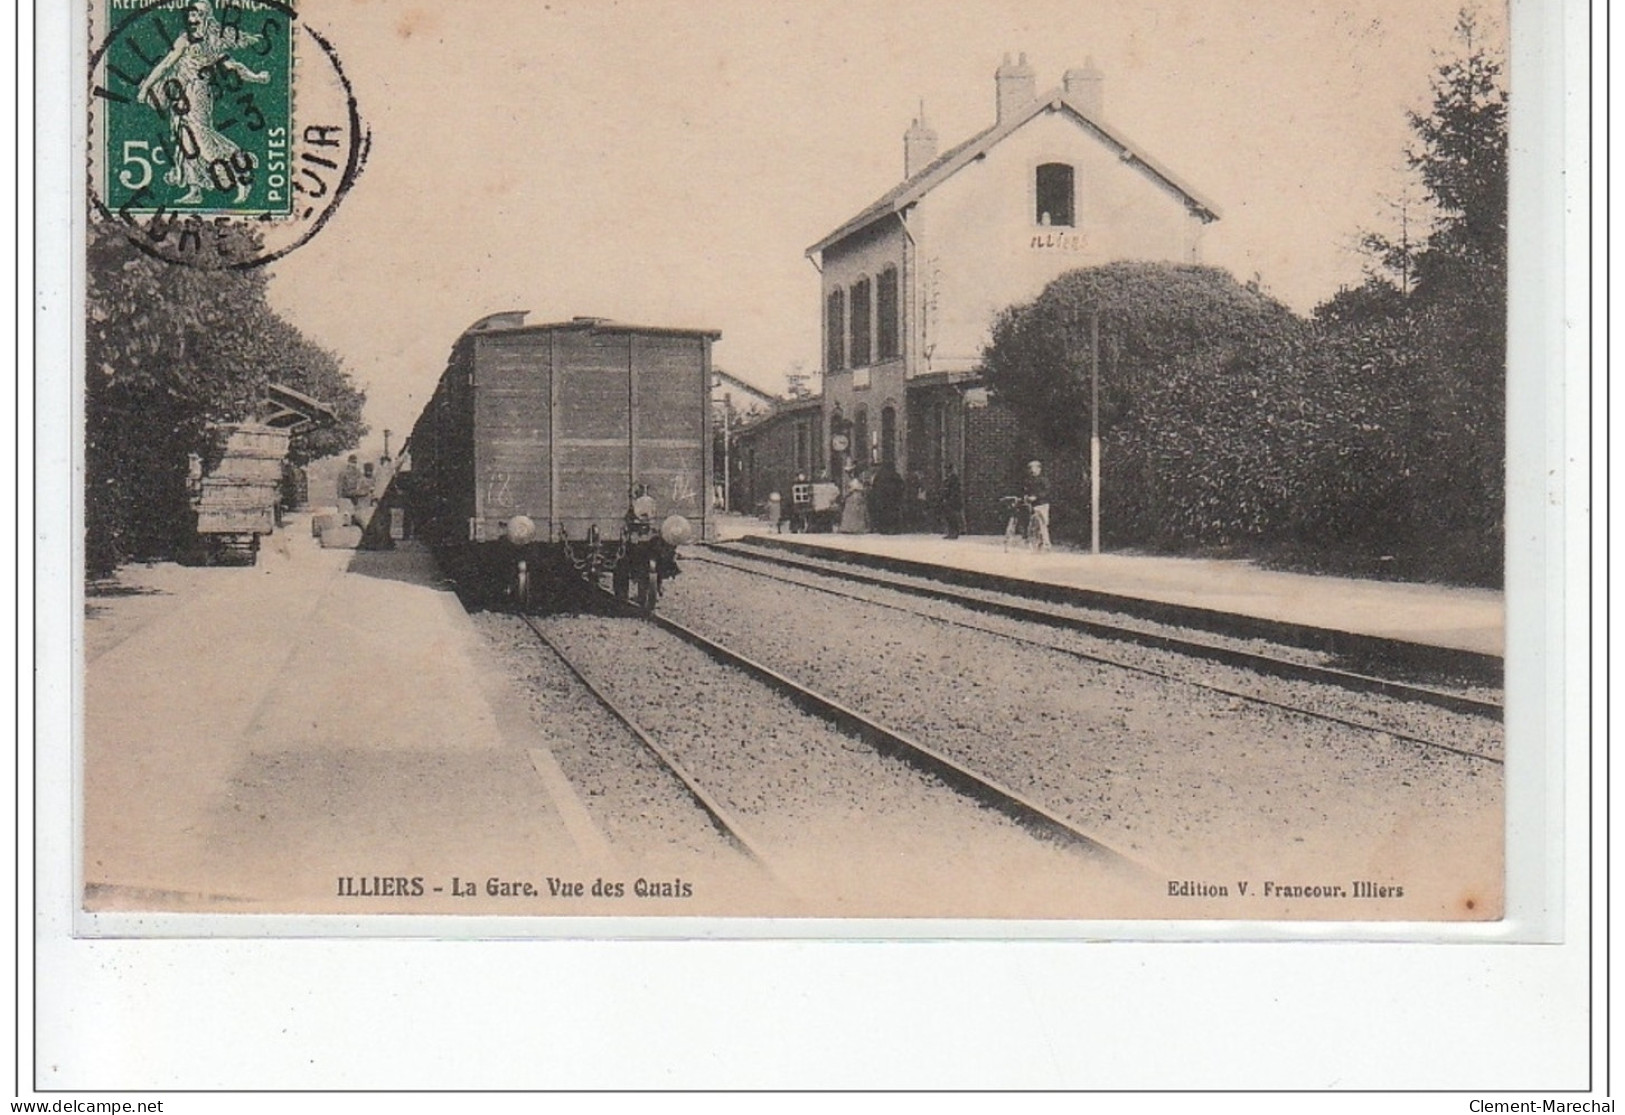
{"type": "Point", "coordinates": [912, 189]}
{"type": "Point", "coordinates": [783, 408]}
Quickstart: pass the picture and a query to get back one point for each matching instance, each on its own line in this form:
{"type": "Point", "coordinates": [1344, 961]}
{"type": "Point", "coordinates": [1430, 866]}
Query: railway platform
{"type": "Point", "coordinates": [1385, 618]}
{"type": "Point", "coordinates": [318, 733]}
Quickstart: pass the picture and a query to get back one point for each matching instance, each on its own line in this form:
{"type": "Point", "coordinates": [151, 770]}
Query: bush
{"type": "Point", "coordinates": [170, 353]}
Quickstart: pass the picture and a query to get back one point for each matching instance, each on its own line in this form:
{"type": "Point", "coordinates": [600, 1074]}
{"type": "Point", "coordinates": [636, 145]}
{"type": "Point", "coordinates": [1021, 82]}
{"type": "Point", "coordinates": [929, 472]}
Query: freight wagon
{"type": "Point", "coordinates": [564, 452]}
{"type": "Point", "coordinates": [237, 502]}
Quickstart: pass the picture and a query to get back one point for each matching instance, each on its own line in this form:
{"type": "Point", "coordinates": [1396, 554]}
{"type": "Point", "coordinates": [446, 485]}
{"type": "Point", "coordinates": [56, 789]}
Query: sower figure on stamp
{"type": "Point", "coordinates": [185, 77]}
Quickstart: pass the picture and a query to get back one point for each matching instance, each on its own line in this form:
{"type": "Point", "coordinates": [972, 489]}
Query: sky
{"type": "Point", "coordinates": [670, 162]}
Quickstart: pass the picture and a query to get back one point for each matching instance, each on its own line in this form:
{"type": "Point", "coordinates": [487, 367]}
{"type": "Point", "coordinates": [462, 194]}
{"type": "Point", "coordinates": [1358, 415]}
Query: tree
{"type": "Point", "coordinates": [170, 353]}
{"type": "Point", "coordinates": [1441, 341]}
{"type": "Point", "coordinates": [293, 360]}
{"type": "Point", "coordinates": [1462, 160]}
{"type": "Point", "coordinates": [1460, 155]}
{"type": "Point", "coordinates": [1150, 315]}
{"type": "Point", "coordinates": [1181, 371]}
{"type": "Point", "coordinates": [1373, 430]}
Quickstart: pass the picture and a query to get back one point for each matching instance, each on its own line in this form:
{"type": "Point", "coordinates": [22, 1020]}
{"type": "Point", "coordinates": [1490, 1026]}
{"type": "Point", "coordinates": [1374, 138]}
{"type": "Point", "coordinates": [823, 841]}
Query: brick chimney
{"type": "Point", "coordinates": [1017, 87]}
{"type": "Point", "coordinates": [1086, 87]}
{"type": "Point", "coordinates": [919, 145]}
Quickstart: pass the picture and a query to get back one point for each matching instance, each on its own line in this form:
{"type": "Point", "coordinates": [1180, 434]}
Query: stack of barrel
{"type": "Point", "coordinates": [238, 499]}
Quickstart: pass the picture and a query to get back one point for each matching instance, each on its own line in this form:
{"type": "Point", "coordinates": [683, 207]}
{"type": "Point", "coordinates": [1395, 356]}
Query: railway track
{"type": "Point", "coordinates": [756, 564]}
{"type": "Point", "coordinates": [726, 823]}
{"type": "Point", "coordinates": [1028, 815]}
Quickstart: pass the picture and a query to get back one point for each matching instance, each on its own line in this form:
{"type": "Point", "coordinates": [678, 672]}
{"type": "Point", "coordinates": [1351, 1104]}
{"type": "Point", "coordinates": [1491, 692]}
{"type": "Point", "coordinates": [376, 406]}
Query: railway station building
{"type": "Point", "coordinates": [911, 283]}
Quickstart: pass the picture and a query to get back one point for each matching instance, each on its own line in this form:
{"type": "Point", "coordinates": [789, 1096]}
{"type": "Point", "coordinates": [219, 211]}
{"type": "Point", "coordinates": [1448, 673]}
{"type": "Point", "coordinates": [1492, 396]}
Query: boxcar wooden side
{"type": "Point", "coordinates": [443, 453]}
{"type": "Point", "coordinates": [567, 419]}
{"type": "Point", "coordinates": [671, 408]}
{"type": "Point", "coordinates": [592, 463]}
{"type": "Point", "coordinates": [557, 424]}
{"type": "Point", "coordinates": [513, 439]}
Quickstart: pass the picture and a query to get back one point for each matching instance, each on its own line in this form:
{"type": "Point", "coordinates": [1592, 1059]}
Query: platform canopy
{"type": "Point", "coordinates": [288, 409]}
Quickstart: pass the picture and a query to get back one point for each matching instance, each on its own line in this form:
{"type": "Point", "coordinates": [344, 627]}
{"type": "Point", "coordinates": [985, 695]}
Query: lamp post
{"type": "Point", "coordinates": [1094, 431]}
{"type": "Point", "coordinates": [1094, 423]}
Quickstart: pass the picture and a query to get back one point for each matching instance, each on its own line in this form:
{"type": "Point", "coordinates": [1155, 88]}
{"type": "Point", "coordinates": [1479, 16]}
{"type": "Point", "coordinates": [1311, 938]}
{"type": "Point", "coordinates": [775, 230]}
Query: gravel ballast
{"type": "Point", "coordinates": [1197, 783]}
{"type": "Point", "coordinates": [847, 830]}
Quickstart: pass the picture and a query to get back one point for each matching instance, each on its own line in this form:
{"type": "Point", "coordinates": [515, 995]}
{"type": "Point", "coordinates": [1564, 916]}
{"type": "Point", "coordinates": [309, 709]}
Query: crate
{"type": "Point", "coordinates": [264, 470]}
{"type": "Point", "coordinates": [223, 491]}
{"type": "Point", "coordinates": [341, 538]}
{"type": "Point", "coordinates": [236, 520]}
{"type": "Point", "coordinates": [265, 442]}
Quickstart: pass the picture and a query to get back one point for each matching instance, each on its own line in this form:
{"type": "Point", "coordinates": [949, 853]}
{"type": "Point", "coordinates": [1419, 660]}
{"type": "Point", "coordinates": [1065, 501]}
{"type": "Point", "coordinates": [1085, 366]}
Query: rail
{"type": "Point", "coordinates": [1304, 672]}
{"type": "Point", "coordinates": [1232, 656]}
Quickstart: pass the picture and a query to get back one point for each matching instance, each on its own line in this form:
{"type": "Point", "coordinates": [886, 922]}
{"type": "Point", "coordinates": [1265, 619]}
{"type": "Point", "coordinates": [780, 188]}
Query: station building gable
{"type": "Point", "coordinates": [910, 285]}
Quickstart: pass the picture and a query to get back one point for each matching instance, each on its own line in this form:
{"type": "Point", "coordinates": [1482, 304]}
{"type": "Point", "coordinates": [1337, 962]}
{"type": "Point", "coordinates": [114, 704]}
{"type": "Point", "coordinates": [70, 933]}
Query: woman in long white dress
{"type": "Point", "coordinates": [855, 511]}
{"type": "Point", "coordinates": [202, 155]}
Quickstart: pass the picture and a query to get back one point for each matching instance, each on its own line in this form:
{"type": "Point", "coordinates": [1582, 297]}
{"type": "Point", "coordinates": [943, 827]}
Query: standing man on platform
{"type": "Point", "coordinates": [801, 505]}
{"type": "Point", "coordinates": [826, 503]}
{"type": "Point", "coordinates": [349, 490]}
{"type": "Point", "coordinates": [1035, 489]}
{"type": "Point", "coordinates": [953, 503]}
{"type": "Point", "coordinates": [886, 499]}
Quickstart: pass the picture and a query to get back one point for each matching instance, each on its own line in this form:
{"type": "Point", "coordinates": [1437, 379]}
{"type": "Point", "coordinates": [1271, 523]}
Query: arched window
{"type": "Point", "coordinates": [1054, 195]}
{"type": "Point", "coordinates": [835, 331]}
{"type": "Point", "coordinates": [859, 349]}
{"type": "Point", "coordinates": [860, 438]}
{"type": "Point", "coordinates": [888, 437]}
{"type": "Point", "coordinates": [887, 325]}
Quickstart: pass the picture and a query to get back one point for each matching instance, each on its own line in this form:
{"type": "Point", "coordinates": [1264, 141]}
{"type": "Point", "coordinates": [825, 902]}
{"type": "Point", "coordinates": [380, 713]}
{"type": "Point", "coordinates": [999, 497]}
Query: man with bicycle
{"type": "Point", "coordinates": [1035, 494]}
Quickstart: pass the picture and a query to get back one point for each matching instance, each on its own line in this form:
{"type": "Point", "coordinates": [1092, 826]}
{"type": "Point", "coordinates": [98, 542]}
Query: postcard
{"type": "Point", "coordinates": [658, 462]}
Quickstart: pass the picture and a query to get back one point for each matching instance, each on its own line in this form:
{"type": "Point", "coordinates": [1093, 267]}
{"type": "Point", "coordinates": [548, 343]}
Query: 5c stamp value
{"type": "Point", "coordinates": [199, 108]}
{"type": "Point", "coordinates": [224, 133]}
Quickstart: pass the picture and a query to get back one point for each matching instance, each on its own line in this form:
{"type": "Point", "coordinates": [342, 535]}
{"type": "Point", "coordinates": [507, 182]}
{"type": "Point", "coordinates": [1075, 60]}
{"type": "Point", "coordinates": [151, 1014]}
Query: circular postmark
{"type": "Point", "coordinates": [223, 133]}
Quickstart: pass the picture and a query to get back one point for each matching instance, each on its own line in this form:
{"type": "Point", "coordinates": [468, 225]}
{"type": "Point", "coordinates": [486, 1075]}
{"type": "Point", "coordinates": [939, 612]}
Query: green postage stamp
{"type": "Point", "coordinates": [198, 107]}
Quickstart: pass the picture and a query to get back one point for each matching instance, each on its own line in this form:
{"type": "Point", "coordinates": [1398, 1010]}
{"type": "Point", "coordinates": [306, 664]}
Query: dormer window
{"type": "Point", "coordinates": [1054, 192]}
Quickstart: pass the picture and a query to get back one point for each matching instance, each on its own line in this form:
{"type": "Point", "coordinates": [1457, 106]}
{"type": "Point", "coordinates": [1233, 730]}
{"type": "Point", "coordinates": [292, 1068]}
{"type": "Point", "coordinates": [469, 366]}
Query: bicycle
{"type": "Point", "coordinates": [1018, 512]}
